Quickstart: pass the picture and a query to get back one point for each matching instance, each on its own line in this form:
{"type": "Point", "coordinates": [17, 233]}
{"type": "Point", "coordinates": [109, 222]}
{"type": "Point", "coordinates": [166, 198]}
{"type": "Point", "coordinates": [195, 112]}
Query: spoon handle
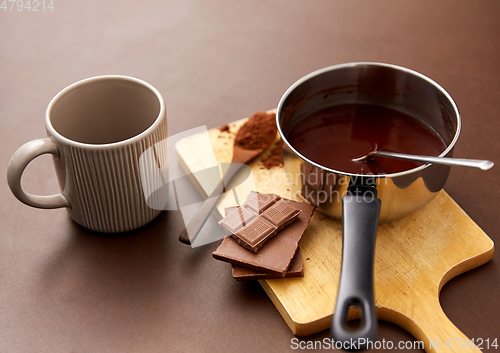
{"type": "Point", "coordinates": [476, 163]}
{"type": "Point", "coordinates": [189, 234]}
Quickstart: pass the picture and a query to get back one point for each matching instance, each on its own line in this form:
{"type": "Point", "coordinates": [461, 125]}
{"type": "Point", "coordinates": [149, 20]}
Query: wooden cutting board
{"type": "Point", "coordinates": [414, 256]}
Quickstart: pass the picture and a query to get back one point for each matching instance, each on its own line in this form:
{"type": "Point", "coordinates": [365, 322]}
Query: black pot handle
{"type": "Point", "coordinates": [360, 213]}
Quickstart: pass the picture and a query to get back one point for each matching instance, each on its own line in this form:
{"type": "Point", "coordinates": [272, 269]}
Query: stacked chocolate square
{"type": "Point", "coordinates": [263, 238]}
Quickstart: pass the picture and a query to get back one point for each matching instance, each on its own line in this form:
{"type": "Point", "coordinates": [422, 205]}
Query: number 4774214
{"type": "Point", "coordinates": [27, 5]}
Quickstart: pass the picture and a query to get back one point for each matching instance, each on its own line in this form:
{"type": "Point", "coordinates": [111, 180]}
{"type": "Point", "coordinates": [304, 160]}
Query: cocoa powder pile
{"type": "Point", "coordinates": [258, 132]}
{"type": "Point", "coordinates": [274, 159]}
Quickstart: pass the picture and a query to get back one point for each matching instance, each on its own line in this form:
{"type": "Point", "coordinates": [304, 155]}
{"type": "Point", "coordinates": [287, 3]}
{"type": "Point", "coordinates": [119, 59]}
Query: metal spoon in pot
{"type": "Point", "coordinates": [476, 163]}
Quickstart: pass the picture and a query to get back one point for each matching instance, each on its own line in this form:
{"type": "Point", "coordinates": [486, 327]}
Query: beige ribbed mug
{"type": "Point", "coordinates": [97, 130]}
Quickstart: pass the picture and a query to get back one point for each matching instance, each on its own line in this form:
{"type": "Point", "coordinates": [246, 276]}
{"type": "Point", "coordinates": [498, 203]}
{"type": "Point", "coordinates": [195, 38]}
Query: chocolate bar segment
{"type": "Point", "coordinates": [255, 234]}
{"type": "Point", "coordinates": [258, 202]}
{"type": "Point", "coordinates": [236, 218]}
{"type": "Point", "coordinates": [277, 254]}
{"type": "Point", "coordinates": [296, 269]}
{"type": "Point", "coordinates": [281, 214]}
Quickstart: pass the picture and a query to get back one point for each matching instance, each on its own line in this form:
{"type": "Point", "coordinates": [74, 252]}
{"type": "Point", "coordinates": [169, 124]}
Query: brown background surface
{"type": "Point", "coordinates": [65, 289]}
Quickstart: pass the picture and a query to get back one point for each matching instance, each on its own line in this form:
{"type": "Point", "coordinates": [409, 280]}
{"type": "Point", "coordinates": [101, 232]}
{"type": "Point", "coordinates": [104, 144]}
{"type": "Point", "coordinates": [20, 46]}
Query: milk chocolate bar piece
{"type": "Point", "coordinates": [236, 218]}
{"type": "Point", "coordinates": [258, 202]}
{"type": "Point", "coordinates": [296, 269]}
{"type": "Point", "coordinates": [281, 214]}
{"type": "Point", "coordinates": [275, 218]}
{"type": "Point", "coordinates": [255, 234]}
{"type": "Point", "coordinates": [277, 254]}
{"type": "Point", "coordinates": [277, 215]}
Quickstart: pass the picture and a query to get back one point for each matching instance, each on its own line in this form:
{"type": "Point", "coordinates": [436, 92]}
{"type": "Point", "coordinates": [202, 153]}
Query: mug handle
{"type": "Point", "coordinates": [21, 158]}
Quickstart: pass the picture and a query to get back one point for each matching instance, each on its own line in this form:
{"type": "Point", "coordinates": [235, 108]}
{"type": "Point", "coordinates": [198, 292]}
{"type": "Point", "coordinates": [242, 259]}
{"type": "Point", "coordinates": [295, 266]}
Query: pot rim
{"type": "Point", "coordinates": [368, 63]}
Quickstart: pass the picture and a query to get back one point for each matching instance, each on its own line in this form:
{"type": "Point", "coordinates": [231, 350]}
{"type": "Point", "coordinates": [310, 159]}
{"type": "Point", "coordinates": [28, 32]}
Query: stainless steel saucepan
{"type": "Point", "coordinates": [362, 201]}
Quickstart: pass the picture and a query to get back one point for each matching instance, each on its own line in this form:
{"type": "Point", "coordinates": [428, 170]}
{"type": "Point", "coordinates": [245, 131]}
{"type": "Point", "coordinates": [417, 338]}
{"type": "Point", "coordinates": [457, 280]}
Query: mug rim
{"type": "Point", "coordinates": [318, 72]}
{"type": "Point", "coordinates": [54, 133]}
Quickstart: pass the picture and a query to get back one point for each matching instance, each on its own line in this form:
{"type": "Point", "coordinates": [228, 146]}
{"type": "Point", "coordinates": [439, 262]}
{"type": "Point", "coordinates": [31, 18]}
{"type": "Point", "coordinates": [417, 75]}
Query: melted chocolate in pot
{"type": "Point", "coordinates": [333, 136]}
